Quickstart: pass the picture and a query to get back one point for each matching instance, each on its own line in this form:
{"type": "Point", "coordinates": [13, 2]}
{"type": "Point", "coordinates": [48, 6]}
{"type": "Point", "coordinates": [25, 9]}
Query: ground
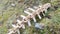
{"type": "Point", "coordinates": [8, 12]}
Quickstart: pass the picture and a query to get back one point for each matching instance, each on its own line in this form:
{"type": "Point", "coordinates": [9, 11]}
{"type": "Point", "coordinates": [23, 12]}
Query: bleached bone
{"type": "Point", "coordinates": [43, 14]}
{"type": "Point", "coordinates": [47, 5]}
{"type": "Point", "coordinates": [31, 14]}
{"type": "Point", "coordinates": [29, 24]}
{"type": "Point", "coordinates": [34, 19]}
{"type": "Point", "coordinates": [23, 26]}
{"type": "Point", "coordinates": [31, 9]}
{"type": "Point", "coordinates": [27, 13]}
{"type": "Point", "coordinates": [20, 26]}
{"type": "Point", "coordinates": [13, 25]}
{"type": "Point", "coordinates": [11, 31]}
{"type": "Point", "coordinates": [45, 10]}
{"type": "Point", "coordinates": [39, 16]}
{"type": "Point", "coordinates": [40, 6]}
{"type": "Point", "coordinates": [18, 31]}
{"type": "Point", "coordinates": [35, 7]}
{"type": "Point", "coordinates": [18, 21]}
{"type": "Point", "coordinates": [23, 16]}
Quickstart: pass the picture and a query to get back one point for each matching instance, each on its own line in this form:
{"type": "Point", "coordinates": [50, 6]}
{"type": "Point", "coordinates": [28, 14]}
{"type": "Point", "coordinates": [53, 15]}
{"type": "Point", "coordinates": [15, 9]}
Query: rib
{"type": "Point", "coordinates": [29, 24]}
{"type": "Point", "coordinates": [31, 9]}
{"type": "Point", "coordinates": [39, 16]}
{"type": "Point", "coordinates": [27, 12]}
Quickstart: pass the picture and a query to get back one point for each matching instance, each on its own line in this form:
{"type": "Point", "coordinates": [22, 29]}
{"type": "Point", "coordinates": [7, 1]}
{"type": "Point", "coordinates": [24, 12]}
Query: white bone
{"type": "Point", "coordinates": [20, 26]}
{"type": "Point", "coordinates": [18, 31]}
{"type": "Point", "coordinates": [39, 16]}
{"type": "Point", "coordinates": [47, 5]}
{"type": "Point", "coordinates": [27, 12]}
{"type": "Point", "coordinates": [43, 14]}
{"type": "Point", "coordinates": [45, 10]}
{"type": "Point", "coordinates": [31, 9]}
{"type": "Point", "coordinates": [10, 32]}
{"type": "Point", "coordinates": [35, 7]}
{"type": "Point", "coordinates": [23, 16]}
{"type": "Point", "coordinates": [34, 19]}
{"type": "Point", "coordinates": [29, 24]}
{"type": "Point", "coordinates": [13, 25]}
{"type": "Point", "coordinates": [19, 21]}
{"type": "Point", "coordinates": [28, 21]}
{"type": "Point", "coordinates": [23, 26]}
{"type": "Point", "coordinates": [40, 6]}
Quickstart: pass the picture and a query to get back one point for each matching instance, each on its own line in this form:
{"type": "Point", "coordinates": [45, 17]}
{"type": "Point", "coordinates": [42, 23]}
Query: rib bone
{"type": "Point", "coordinates": [23, 16]}
{"type": "Point", "coordinates": [18, 31]}
{"type": "Point", "coordinates": [31, 9]}
{"type": "Point", "coordinates": [34, 19]}
{"type": "Point", "coordinates": [27, 12]}
{"type": "Point", "coordinates": [29, 24]}
{"type": "Point", "coordinates": [35, 7]}
{"type": "Point", "coordinates": [39, 16]}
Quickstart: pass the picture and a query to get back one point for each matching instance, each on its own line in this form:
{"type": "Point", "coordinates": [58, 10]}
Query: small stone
{"type": "Point", "coordinates": [13, 5]}
{"type": "Point", "coordinates": [51, 30]}
{"type": "Point", "coordinates": [39, 25]}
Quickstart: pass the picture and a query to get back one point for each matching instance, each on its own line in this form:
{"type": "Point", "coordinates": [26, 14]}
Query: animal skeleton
{"type": "Point", "coordinates": [26, 19]}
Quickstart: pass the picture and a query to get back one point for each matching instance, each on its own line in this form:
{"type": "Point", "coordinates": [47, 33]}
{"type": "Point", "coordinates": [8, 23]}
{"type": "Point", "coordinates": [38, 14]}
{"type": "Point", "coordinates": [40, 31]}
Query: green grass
{"type": "Point", "coordinates": [53, 23]}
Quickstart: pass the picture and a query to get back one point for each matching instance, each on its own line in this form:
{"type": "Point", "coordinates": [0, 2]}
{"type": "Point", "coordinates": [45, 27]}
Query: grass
{"type": "Point", "coordinates": [52, 25]}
